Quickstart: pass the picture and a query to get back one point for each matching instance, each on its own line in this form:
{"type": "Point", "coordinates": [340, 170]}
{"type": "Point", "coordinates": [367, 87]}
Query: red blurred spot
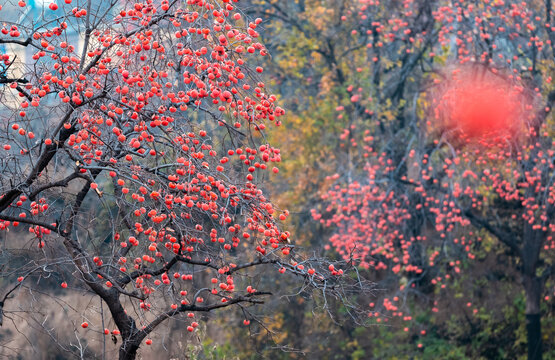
{"type": "Point", "coordinates": [479, 103]}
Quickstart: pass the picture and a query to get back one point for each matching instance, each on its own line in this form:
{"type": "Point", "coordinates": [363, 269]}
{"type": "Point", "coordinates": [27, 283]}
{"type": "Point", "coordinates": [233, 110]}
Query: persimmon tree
{"type": "Point", "coordinates": [435, 171]}
{"type": "Point", "coordinates": [133, 139]}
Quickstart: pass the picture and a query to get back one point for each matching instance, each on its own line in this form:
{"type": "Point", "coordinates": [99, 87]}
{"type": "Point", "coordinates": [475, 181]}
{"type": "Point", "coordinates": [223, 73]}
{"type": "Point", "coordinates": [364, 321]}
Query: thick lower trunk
{"type": "Point", "coordinates": [128, 351]}
{"type": "Point", "coordinates": [533, 289]}
{"type": "Point", "coordinates": [534, 335]}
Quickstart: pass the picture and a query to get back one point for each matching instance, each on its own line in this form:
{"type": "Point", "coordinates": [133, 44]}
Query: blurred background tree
{"type": "Point", "coordinates": [359, 78]}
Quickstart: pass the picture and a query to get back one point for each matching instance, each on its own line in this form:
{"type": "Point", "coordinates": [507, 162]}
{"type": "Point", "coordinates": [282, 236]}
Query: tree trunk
{"type": "Point", "coordinates": [128, 351]}
{"type": "Point", "coordinates": [533, 289]}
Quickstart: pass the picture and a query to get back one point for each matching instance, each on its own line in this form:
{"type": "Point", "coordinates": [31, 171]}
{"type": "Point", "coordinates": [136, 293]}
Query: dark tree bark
{"type": "Point", "coordinates": [533, 289]}
{"type": "Point", "coordinates": [128, 352]}
{"type": "Point", "coordinates": [533, 286]}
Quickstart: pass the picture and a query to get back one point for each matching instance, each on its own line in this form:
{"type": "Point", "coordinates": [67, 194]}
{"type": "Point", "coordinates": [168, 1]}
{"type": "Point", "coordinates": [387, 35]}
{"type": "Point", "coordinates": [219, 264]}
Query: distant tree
{"type": "Point", "coordinates": [379, 64]}
{"type": "Point", "coordinates": [133, 148]}
{"type": "Point", "coordinates": [455, 159]}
